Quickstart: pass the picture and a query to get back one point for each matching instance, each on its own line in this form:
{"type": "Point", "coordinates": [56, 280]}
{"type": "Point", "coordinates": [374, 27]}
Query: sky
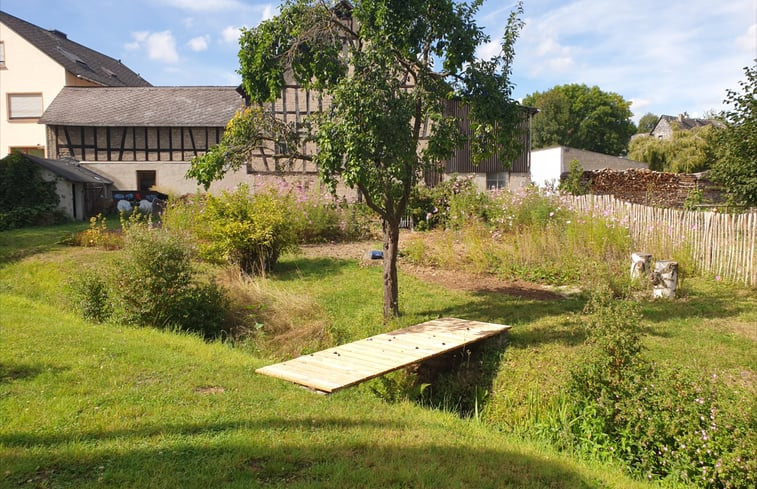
{"type": "Point", "coordinates": [664, 56]}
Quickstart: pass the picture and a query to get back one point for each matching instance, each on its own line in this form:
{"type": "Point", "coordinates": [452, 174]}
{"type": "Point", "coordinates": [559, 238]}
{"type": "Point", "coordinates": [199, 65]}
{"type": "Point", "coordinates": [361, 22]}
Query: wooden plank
{"type": "Point", "coordinates": [346, 365]}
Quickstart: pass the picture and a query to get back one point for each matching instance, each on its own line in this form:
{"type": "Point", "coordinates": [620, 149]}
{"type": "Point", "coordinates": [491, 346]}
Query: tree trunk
{"type": "Point", "coordinates": [391, 249]}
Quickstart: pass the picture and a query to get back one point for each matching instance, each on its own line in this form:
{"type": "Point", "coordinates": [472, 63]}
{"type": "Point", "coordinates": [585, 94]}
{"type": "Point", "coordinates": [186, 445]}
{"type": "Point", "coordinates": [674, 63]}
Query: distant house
{"type": "Point", "coordinates": [35, 64]}
{"type": "Point", "coordinates": [667, 124]}
{"type": "Point", "coordinates": [140, 137]}
{"type": "Point", "coordinates": [82, 193]}
{"type": "Point", "coordinates": [549, 165]}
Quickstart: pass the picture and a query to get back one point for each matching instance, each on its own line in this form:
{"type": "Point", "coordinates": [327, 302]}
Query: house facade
{"type": "Point", "coordinates": [548, 165]}
{"type": "Point", "coordinates": [667, 124]}
{"type": "Point", "coordinates": [141, 137]}
{"type": "Point", "coordinates": [35, 64]}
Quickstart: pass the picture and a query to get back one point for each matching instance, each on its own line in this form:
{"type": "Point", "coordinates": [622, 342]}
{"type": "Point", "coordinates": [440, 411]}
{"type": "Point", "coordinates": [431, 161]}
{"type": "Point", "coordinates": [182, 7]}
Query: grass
{"type": "Point", "coordinates": [86, 405]}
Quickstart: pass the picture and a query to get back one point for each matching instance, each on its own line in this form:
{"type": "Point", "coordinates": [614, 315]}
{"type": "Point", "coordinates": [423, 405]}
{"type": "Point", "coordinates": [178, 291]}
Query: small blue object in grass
{"type": "Point", "coordinates": [377, 255]}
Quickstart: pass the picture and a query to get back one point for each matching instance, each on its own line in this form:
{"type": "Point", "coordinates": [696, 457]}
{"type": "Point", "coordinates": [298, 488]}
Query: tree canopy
{"type": "Point", "coordinates": [736, 169]}
{"type": "Point", "coordinates": [384, 76]}
{"type": "Point", "coordinates": [688, 151]}
{"type": "Point", "coordinates": [647, 122]}
{"type": "Point", "coordinates": [581, 117]}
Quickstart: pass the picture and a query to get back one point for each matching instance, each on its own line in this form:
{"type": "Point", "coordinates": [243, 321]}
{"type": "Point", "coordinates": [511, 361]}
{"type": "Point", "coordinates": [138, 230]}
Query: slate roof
{"type": "Point", "coordinates": [686, 123]}
{"type": "Point", "coordinates": [143, 106]}
{"type": "Point", "coordinates": [80, 60]}
{"type": "Point", "coordinates": [70, 170]}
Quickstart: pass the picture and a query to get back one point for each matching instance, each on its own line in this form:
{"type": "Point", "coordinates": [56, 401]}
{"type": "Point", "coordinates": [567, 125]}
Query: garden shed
{"type": "Point", "coordinates": [82, 193]}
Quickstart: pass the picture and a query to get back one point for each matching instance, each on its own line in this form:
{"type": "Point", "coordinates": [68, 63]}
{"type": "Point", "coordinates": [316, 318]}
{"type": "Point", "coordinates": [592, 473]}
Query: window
{"type": "Point", "coordinates": [145, 180]}
{"type": "Point", "coordinates": [24, 105]}
{"type": "Point", "coordinates": [2, 54]}
{"type": "Point", "coordinates": [29, 150]}
{"type": "Point", "coordinates": [496, 181]}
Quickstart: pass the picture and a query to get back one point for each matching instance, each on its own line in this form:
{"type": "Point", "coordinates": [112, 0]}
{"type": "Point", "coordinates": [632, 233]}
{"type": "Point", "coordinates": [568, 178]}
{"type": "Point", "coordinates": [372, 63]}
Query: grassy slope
{"type": "Point", "coordinates": [88, 405]}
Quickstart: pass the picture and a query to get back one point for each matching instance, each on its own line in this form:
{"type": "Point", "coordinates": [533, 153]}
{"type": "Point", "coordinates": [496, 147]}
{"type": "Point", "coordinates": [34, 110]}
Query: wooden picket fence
{"type": "Point", "coordinates": [721, 244]}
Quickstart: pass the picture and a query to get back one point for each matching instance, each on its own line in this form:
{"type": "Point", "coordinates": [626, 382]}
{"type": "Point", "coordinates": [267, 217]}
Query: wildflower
{"type": "Point", "coordinates": [717, 278]}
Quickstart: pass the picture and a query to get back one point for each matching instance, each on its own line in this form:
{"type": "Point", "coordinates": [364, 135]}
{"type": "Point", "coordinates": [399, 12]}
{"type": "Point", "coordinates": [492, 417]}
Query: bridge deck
{"type": "Point", "coordinates": [352, 363]}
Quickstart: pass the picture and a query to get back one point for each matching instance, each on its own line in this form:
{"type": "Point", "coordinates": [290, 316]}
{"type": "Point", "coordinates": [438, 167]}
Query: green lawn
{"type": "Point", "coordinates": [87, 405]}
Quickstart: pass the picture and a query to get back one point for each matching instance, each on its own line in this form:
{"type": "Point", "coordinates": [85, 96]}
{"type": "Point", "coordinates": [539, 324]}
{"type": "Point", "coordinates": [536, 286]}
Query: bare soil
{"type": "Point", "coordinates": [451, 279]}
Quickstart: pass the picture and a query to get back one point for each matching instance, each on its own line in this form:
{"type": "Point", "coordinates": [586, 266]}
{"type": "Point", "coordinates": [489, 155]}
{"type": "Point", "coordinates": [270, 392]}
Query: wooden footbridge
{"type": "Point", "coordinates": [342, 366]}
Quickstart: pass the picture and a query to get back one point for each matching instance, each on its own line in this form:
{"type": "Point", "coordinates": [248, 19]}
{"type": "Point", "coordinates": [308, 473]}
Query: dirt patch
{"type": "Point", "coordinates": [210, 390]}
{"type": "Point", "coordinates": [451, 279]}
{"type": "Point", "coordinates": [457, 280]}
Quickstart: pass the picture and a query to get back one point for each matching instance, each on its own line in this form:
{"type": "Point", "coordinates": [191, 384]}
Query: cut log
{"type": "Point", "coordinates": [665, 279]}
{"type": "Point", "coordinates": [641, 263]}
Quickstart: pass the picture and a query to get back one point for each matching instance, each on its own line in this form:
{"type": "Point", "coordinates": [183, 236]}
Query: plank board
{"type": "Point", "coordinates": [345, 365]}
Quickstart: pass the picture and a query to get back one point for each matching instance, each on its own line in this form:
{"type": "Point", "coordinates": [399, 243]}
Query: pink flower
{"type": "Point", "coordinates": [717, 278]}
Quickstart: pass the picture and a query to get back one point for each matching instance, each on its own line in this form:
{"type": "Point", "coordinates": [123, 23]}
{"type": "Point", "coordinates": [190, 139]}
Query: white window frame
{"type": "Point", "coordinates": [499, 179]}
{"type": "Point", "coordinates": [28, 115]}
{"type": "Point", "coordinates": [2, 55]}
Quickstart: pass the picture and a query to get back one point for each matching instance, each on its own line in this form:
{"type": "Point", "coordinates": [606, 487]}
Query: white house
{"type": "Point", "coordinates": [549, 164]}
{"type": "Point", "coordinates": [35, 64]}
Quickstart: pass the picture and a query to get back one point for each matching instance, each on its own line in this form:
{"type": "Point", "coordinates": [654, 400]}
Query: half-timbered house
{"type": "Point", "coordinates": [140, 137]}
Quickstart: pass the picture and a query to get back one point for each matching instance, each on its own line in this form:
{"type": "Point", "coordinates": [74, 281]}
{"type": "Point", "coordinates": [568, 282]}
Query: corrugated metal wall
{"type": "Point", "coordinates": [462, 161]}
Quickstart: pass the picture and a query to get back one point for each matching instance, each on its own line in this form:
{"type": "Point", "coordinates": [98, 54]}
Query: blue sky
{"type": "Point", "coordinates": [666, 56]}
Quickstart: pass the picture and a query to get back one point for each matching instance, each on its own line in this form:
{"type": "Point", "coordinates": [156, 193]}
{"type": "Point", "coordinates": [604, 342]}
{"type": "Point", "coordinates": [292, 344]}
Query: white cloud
{"type": "Point", "coordinates": [199, 43]}
{"type": "Point", "coordinates": [748, 42]}
{"type": "Point", "coordinates": [269, 10]}
{"type": "Point", "coordinates": [188, 22]}
{"type": "Point", "coordinates": [488, 50]}
{"type": "Point", "coordinates": [231, 34]}
{"type": "Point", "coordinates": [160, 46]}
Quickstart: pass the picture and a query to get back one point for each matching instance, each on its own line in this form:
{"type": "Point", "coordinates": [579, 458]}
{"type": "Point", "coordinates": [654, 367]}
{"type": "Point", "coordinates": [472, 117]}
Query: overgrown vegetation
{"type": "Point", "coordinates": [152, 283]}
{"type": "Point", "coordinates": [662, 422]}
{"type": "Point", "coordinates": [610, 385]}
{"type": "Point", "coordinates": [525, 235]}
{"type": "Point", "coordinates": [25, 198]}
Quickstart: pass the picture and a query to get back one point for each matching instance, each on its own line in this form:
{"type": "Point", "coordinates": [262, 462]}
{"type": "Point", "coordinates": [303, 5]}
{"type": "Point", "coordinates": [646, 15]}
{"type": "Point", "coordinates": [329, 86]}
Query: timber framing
{"type": "Point", "coordinates": [93, 143]}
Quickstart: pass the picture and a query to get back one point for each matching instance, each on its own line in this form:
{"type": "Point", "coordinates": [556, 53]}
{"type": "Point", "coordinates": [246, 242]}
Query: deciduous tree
{"type": "Point", "coordinates": [737, 166]}
{"type": "Point", "coordinates": [384, 76]}
{"type": "Point", "coordinates": [647, 123]}
{"type": "Point", "coordinates": [581, 117]}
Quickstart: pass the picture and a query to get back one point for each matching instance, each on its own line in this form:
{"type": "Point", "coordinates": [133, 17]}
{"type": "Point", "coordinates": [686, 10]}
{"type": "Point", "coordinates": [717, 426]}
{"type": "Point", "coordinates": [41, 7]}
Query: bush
{"type": "Point", "coordinates": [97, 235]}
{"type": "Point", "coordinates": [25, 198]}
{"type": "Point", "coordinates": [249, 230]}
{"type": "Point", "coordinates": [662, 423]}
{"type": "Point", "coordinates": [451, 204]}
{"type": "Point", "coordinates": [90, 295]}
{"type": "Point", "coordinates": [574, 183]}
{"type": "Point", "coordinates": [152, 284]}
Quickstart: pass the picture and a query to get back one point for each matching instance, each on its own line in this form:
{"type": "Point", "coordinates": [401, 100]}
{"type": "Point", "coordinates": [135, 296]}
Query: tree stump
{"type": "Point", "coordinates": [641, 263]}
{"type": "Point", "coordinates": [665, 279]}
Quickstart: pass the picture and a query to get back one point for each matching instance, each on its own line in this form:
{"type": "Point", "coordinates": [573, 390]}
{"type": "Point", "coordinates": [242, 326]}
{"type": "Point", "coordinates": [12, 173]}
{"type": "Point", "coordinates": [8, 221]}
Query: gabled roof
{"type": "Point", "coordinates": [686, 123]}
{"type": "Point", "coordinates": [143, 106]}
{"type": "Point", "coordinates": [70, 170]}
{"type": "Point", "coordinates": [80, 60]}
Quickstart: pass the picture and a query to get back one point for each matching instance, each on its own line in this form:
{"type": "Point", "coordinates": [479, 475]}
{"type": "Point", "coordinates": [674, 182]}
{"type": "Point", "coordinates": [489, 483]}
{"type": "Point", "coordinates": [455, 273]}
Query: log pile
{"type": "Point", "coordinates": [642, 186]}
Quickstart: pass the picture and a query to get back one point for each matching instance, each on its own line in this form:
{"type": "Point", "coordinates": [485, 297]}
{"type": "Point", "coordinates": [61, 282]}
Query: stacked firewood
{"type": "Point", "coordinates": [648, 187]}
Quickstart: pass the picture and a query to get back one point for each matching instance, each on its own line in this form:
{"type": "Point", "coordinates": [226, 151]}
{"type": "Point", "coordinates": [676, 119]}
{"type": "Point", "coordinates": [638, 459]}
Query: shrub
{"type": "Point", "coordinates": [662, 423]}
{"type": "Point", "coordinates": [90, 295]}
{"type": "Point", "coordinates": [249, 230]}
{"type": "Point", "coordinates": [154, 285]}
{"type": "Point", "coordinates": [97, 235]}
{"type": "Point", "coordinates": [574, 183]}
{"type": "Point", "coordinates": [25, 198]}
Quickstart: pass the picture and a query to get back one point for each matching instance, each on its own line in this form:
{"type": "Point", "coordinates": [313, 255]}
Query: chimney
{"type": "Point", "coordinates": [680, 117]}
{"type": "Point", "coordinates": [59, 33]}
